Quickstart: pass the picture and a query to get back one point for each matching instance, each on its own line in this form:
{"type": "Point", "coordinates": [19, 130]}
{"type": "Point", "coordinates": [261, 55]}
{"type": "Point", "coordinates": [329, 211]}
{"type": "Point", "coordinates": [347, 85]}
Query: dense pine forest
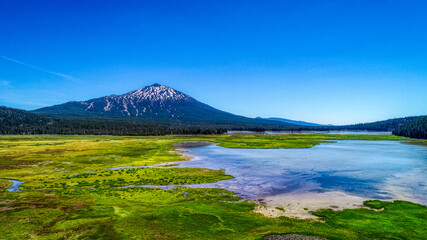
{"type": "Point", "coordinates": [417, 128]}
{"type": "Point", "coordinates": [16, 121]}
{"type": "Point", "coordinates": [386, 125]}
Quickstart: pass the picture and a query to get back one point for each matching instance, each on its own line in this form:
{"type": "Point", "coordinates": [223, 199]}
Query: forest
{"type": "Point", "coordinates": [16, 121]}
{"type": "Point", "coordinates": [417, 128]}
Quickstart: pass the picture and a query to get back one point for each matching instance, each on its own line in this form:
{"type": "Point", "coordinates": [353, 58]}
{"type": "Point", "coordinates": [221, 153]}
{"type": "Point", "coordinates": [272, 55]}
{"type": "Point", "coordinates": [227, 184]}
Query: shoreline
{"type": "Point", "coordinates": [300, 205]}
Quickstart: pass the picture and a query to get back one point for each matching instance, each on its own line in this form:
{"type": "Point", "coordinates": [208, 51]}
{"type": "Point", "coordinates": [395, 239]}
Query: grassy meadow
{"type": "Point", "coordinates": [71, 192]}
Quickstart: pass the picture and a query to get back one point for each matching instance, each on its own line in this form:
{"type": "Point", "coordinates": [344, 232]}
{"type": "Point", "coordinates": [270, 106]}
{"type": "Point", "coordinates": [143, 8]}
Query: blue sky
{"type": "Point", "coordinates": [335, 62]}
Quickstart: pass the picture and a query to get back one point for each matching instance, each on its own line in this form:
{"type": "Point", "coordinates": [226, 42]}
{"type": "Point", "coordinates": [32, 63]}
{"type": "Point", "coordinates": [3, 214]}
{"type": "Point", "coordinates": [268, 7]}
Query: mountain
{"type": "Point", "coordinates": [298, 123]}
{"type": "Point", "coordinates": [156, 103]}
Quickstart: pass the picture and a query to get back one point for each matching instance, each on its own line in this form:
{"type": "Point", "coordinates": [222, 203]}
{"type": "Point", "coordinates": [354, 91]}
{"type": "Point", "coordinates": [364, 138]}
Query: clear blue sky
{"type": "Point", "coordinates": [332, 62]}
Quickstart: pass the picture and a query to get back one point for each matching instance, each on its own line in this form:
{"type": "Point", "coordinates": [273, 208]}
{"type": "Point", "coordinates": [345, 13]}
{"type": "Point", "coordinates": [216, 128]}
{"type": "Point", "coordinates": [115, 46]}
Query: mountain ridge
{"type": "Point", "coordinates": [299, 123]}
{"type": "Point", "coordinates": [155, 102]}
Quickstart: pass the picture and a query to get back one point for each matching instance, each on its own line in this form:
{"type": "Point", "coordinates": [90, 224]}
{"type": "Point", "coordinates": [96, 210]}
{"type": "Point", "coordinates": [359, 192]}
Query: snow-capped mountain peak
{"type": "Point", "coordinates": [156, 103]}
{"type": "Point", "coordinates": [150, 100]}
{"type": "Point", "coordinates": [157, 93]}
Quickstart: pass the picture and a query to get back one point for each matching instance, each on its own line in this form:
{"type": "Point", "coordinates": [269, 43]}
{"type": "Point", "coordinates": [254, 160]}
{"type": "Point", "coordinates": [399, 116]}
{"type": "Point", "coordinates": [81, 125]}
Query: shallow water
{"type": "Point", "coordinates": [370, 169]}
{"type": "Point", "coordinates": [15, 185]}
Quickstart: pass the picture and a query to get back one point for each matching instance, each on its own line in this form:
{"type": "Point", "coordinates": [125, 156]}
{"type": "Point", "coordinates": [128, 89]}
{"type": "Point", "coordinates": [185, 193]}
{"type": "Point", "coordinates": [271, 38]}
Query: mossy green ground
{"type": "Point", "coordinates": [67, 194]}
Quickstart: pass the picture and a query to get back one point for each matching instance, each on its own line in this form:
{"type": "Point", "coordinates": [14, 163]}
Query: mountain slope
{"type": "Point", "coordinates": [385, 125]}
{"type": "Point", "coordinates": [416, 128]}
{"type": "Point", "coordinates": [20, 121]}
{"type": "Point", "coordinates": [298, 123]}
{"type": "Point", "coordinates": [16, 117]}
{"type": "Point", "coordinates": [156, 102]}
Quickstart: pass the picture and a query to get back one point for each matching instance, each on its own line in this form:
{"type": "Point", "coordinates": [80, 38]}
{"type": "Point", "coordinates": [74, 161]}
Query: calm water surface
{"type": "Point", "coordinates": [15, 185]}
{"type": "Point", "coordinates": [370, 169]}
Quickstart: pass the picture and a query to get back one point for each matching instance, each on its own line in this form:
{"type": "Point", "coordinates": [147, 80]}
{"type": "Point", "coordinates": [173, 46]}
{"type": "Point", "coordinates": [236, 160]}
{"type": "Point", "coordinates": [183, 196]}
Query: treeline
{"type": "Point", "coordinates": [417, 128]}
{"type": "Point", "coordinates": [386, 125]}
{"type": "Point", "coordinates": [10, 117]}
{"type": "Point", "coordinates": [107, 127]}
{"type": "Point", "coordinates": [16, 121]}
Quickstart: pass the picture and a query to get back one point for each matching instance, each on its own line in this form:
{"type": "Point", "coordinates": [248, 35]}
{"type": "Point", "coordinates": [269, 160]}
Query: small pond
{"type": "Point", "coordinates": [15, 185]}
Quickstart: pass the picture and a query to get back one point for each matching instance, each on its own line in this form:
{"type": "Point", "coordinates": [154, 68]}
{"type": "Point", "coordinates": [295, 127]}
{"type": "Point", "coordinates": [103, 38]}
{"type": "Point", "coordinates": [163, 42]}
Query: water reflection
{"type": "Point", "coordinates": [369, 169]}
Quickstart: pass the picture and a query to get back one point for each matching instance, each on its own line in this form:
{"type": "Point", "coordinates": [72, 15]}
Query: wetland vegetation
{"type": "Point", "coordinates": [71, 192]}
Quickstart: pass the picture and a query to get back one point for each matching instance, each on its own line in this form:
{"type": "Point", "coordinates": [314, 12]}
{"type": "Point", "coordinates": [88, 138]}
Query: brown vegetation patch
{"type": "Point", "coordinates": [6, 202]}
{"type": "Point", "coordinates": [54, 151]}
{"type": "Point", "coordinates": [8, 157]}
{"type": "Point", "coordinates": [192, 144]}
{"type": "Point", "coordinates": [5, 208]}
{"type": "Point", "coordinates": [79, 204]}
{"type": "Point", "coordinates": [293, 237]}
{"type": "Point", "coordinates": [17, 164]}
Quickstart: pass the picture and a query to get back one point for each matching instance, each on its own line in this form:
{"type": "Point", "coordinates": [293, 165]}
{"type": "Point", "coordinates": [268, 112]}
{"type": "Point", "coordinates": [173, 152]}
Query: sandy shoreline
{"type": "Point", "coordinates": [299, 205]}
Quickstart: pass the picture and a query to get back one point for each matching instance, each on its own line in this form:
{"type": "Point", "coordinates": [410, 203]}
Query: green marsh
{"type": "Point", "coordinates": [67, 194]}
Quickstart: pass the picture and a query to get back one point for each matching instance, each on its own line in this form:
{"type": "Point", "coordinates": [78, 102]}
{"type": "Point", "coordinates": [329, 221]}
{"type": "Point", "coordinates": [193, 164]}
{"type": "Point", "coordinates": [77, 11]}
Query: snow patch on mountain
{"type": "Point", "coordinates": [141, 101]}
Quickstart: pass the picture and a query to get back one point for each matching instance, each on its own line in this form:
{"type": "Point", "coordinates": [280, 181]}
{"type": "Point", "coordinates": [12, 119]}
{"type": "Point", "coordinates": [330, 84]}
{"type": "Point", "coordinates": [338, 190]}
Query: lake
{"type": "Point", "coordinates": [341, 174]}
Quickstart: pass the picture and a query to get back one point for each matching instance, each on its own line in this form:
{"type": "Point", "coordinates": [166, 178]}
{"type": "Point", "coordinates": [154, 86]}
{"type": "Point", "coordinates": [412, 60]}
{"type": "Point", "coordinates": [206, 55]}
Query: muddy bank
{"type": "Point", "coordinates": [192, 144]}
{"type": "Point", "coordinates": [293, 237]}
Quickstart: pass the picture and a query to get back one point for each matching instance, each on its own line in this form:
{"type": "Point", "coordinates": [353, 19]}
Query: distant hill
{"type": "Point", "coordinates": [16, 121]}
{"type": "Point", "coordinates": [297, 123]}
{"type": "Point", "coordinates": [385, 125]}
{"type": "Point", "coordinates": [157, 103]}
{"type": "Point", "coordinates": [416, 128]}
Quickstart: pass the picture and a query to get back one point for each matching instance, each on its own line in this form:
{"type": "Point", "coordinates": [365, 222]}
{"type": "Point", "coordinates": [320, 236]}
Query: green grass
{"type": "Point", "coordinates": [67, 194]}
{"type": "Point", "coordinates": [125, 177]}
{"type": "Point", "coordinates": [295, 140]}
{"type": "Point", "coordinates": [4, 185]}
